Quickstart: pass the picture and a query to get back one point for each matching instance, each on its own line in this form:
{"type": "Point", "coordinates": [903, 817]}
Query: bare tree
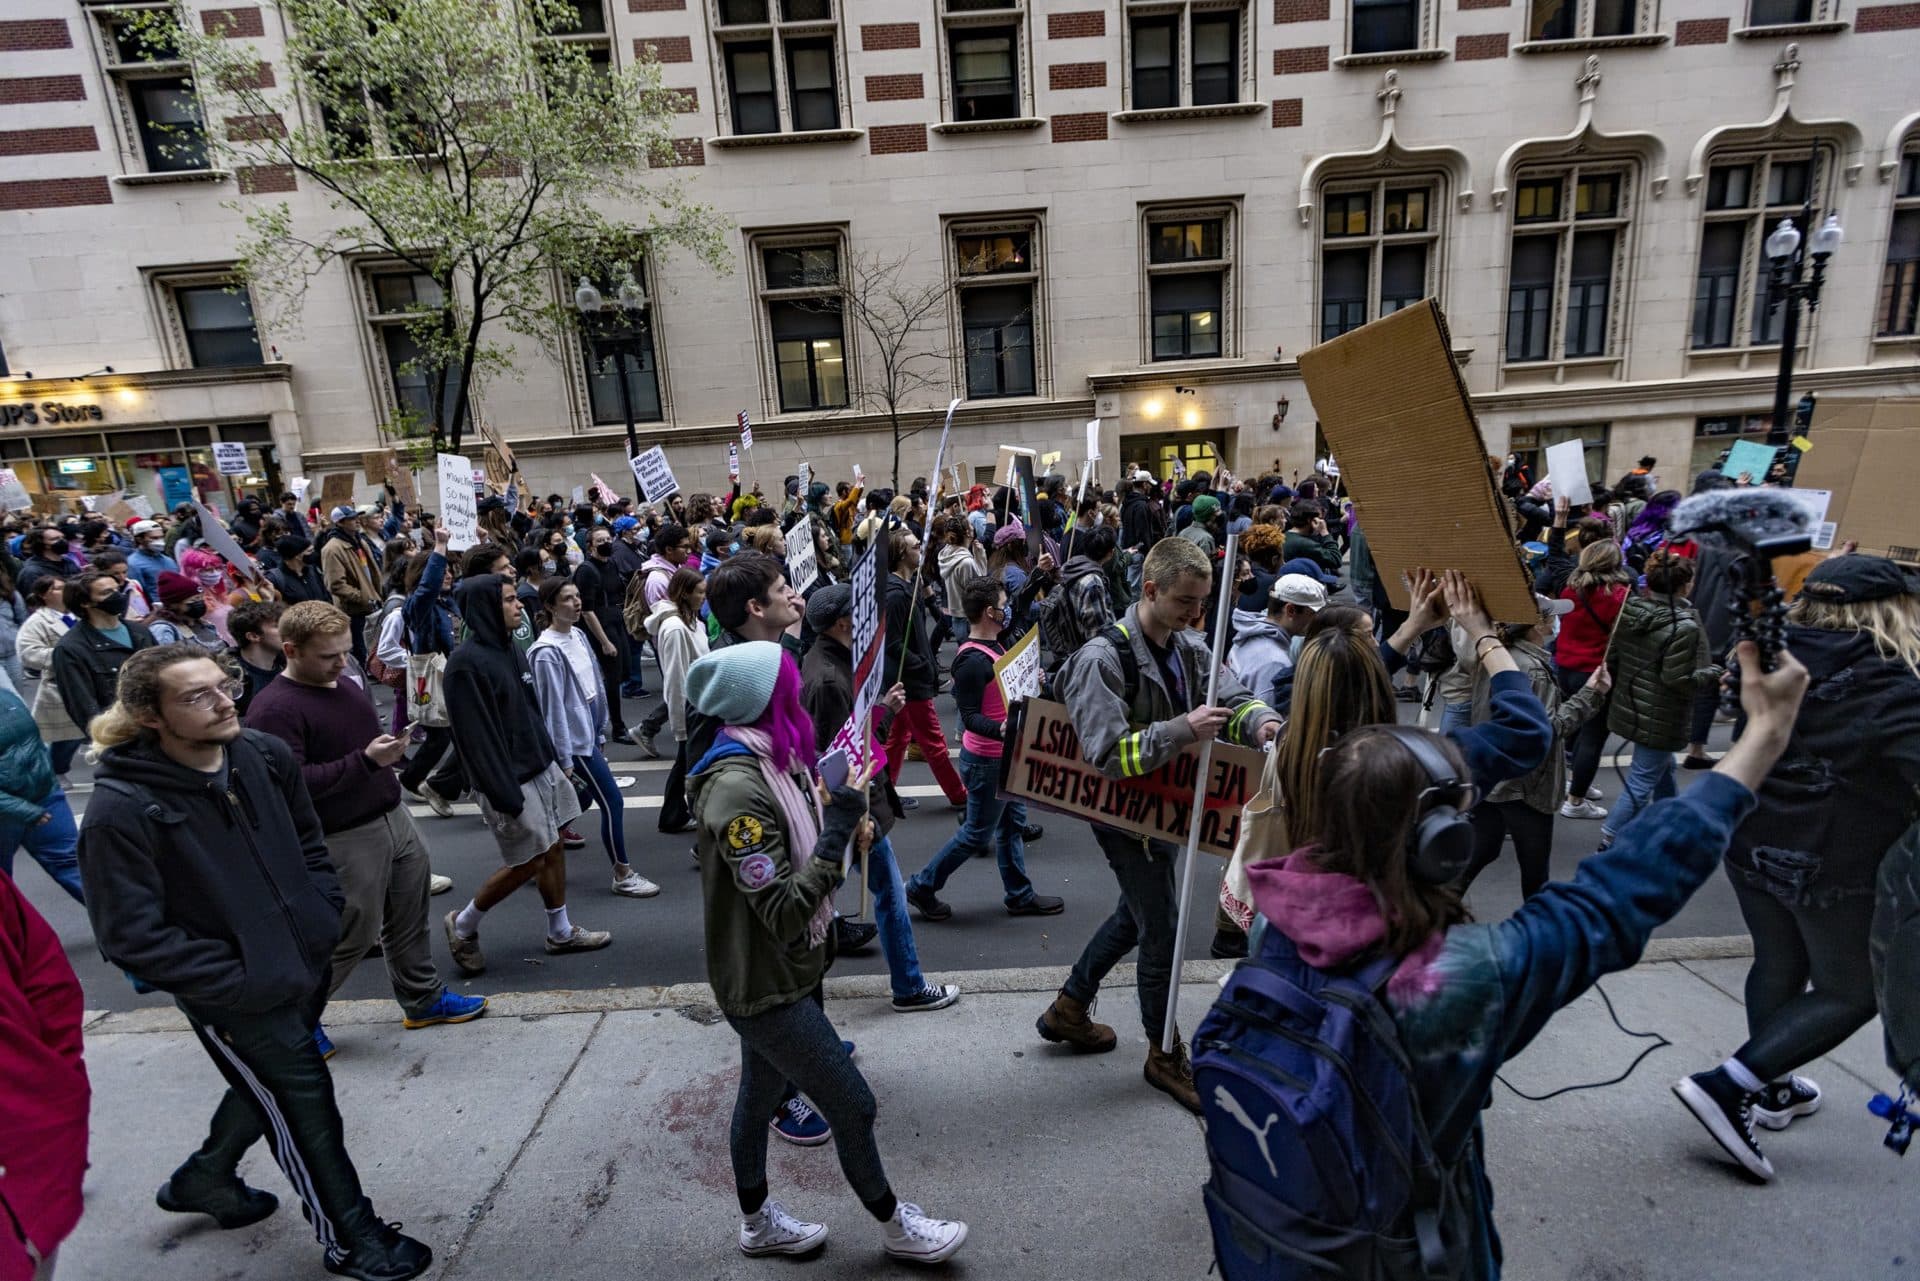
{"type": "Point", "coordinates": [901, 324]}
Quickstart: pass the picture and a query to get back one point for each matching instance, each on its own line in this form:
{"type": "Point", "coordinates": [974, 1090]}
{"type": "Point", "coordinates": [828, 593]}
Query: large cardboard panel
{"type": "Point", "coordinates": [1394, 409]}
{"type": "Point", "coordinates": [1867, 452]}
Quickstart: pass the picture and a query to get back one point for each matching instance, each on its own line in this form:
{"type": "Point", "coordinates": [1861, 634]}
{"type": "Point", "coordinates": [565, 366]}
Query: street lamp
{"type": "Point", "coordinates": [1789, 286]}
{"type": "Point", "coordinates": [616, 329]}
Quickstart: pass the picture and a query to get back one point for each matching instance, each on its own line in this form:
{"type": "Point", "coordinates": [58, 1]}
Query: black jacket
{"type": "Point", "coordinates": [603, 595]}
{"type": "Point", "coordinates": [826, 691]}
{"type": "Point", "coordinates": [907, 629]}
{"type": "Point", "coordinates": [222, 897]}
{"type": "Point", "coordinates": [490, 703]}
{"type": "Point", "coordinates": [86, 666]}
{"type": "Point", "coordinates": [1142, 523]}
{"type": "Point", "coordinates": [308, 584]}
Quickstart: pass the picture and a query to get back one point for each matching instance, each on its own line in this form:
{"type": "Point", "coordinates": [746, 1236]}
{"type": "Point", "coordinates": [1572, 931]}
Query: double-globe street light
{"type": "Point", "coordinates": [1789, 286]}
{"type": "Point", "coordinates": [615, 329]}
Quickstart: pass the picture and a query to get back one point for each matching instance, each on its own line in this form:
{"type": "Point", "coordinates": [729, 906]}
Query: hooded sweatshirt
{"type": "Point", "coordinates": [214, 888]}
{"type": "Point", "coordinates": [1261, 652]}
{"type": "Point", "coordinates": [659, 571]}
{"type": "Point", "coordinates": [490, 701]}
{"type": "Point", "coordinates": [571, 692]}
{"type": "Point", "coordinates": [958, 567]}
{"type": "Point", "coordinates": [678, 646]}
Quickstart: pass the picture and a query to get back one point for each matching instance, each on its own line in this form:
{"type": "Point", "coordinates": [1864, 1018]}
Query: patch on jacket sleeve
{"type": "Point", "coordinates": [755, 872]}
{"type": "Point", "coordinates": [746, 835]}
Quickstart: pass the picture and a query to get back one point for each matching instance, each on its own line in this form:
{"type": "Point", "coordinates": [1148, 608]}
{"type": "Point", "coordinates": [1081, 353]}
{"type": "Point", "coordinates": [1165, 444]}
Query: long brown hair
{"type": "Point", "coordinates": [680, 589]}
{"type": "Point", "coordinates": [1601, 566]}
{"type": "Point", "coordinates": [1369, 798]}
{"type": "Point", "coordinates": [1339, 685]}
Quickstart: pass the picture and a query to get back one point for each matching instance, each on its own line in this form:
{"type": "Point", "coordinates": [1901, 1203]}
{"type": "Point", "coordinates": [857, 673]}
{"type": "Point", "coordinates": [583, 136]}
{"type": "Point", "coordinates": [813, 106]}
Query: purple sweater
{"type": "Point", "coordinates": [328, 730]}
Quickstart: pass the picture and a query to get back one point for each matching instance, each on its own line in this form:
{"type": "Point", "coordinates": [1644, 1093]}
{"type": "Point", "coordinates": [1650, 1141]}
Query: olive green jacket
{"type": "Point", "coordinates": [1659, 659]}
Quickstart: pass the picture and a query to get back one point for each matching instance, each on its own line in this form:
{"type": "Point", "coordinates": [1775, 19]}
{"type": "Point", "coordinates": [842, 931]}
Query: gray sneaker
{"type": "Point", "coordinates": [466, 952]}
{"type": "Point", "coordinates": [580, 940]}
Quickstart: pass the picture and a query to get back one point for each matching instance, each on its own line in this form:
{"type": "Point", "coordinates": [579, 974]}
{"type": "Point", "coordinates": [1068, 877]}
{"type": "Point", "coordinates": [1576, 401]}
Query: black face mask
{"type": "Point", "coordinates": [114, 605]}
{"type": "Point", "coordinates": [58, 548]}
{"type": "Point", "coordinates": [603, 550]}
{"type": "Point", "coordinates": [195, 610]}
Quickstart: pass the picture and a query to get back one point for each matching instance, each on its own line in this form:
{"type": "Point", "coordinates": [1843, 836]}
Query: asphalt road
{"type": "Point", "coordinates": [659, 940]}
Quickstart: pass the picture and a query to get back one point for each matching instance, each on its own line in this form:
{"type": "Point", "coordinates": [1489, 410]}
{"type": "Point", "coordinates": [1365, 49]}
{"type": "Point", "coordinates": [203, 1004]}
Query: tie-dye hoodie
{"type": "Point", "coordinates": [1474, 996]}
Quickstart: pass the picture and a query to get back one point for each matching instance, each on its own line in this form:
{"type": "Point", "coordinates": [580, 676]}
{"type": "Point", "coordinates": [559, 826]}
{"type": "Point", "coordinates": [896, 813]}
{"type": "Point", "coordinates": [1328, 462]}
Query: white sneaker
{"type": "Point", "coordinates": [634, 885]}
{"type": "Point", "coordinates": [773, 1231]}
{"type": "Point", "coordinates": [913, 1235]}
{"type": "Point", "coordinates": [437, 803]}
{"type": "Point", "coordinates": [1581, 809]}
{"type": "Point", "coordinates": [1595, 794]}
{"type": "Point", "coordinates": [438, 884]}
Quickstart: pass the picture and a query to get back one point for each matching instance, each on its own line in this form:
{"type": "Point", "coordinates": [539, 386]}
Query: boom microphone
{"type": "Point", "coordinates": [1758, 521]}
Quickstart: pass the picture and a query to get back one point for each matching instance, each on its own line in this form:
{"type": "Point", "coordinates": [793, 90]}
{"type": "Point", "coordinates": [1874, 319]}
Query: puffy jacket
{"type": "Point", "coordinates": [1659, 661]}
{"type": "Point", "coordinates": [26, 767]}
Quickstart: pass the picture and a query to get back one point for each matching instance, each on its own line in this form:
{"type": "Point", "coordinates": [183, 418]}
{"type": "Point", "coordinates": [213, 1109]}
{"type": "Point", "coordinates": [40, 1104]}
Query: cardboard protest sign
{"type": "Point", "coordinates": [401, 479]}
{"type": "Point", "coordinates": [1043, 766]}
{"type": "Point", "coordinates": [1868, 457]}
{"type": "Point", "coordinates": [803, 566]}
{"type": "Point", "coordinates": [869, 654]}
{"type": "Point", "coordinates": [493, 471]}
{"type": "Point", "coordinates": [13, 495]}
{"type": "Point", "coordinates": [215, 532]}
{"type": "Point", "coordinates": [336, 489]}
{"type": "Point", "coordinates": [121, 512]}
{"type": "Point", "coordinates": [1567, 472]}
{"type": "Point", "coordinates": [654, 476]}
{"type": "Point", "coordinates": [1393, 405]}
{"type": "Point", "coordinates": [499, 447]}
{"type": "Point", "coordinates": [47, 504]}
{"type": "Point", "coordinates": [1018, 670]}
{"type": "Point", "coordinates": [377, 464]}
{"type": "Point", "coordinates": [141, 506]}
{"type": "Point", "coordinates": [1751, 459]}
{"type": "Point", "coordinates": [1003, 469]}
{"type": "Point", "coordinates": [459, 512]}
{"type": "Point", "coordinates": [230, 457]}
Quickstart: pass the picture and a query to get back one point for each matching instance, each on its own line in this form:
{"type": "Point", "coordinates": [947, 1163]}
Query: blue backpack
{"type": "Point", "coordinates": [1322, 1166]}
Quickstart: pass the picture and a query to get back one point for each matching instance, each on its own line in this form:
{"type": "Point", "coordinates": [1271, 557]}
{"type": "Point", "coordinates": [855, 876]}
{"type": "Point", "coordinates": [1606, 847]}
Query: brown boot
{"type": "Point", "coordinates": [1172, 1074]}
{"type": "Point", "coordinates": [1070, 1021]}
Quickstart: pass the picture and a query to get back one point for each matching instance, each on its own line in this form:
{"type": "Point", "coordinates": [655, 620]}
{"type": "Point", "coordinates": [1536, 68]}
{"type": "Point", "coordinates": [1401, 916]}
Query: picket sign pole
{"type": "Point", "coordinates": [1199, 797]}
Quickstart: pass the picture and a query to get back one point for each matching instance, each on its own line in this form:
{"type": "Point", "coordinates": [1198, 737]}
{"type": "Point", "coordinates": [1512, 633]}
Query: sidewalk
{"type": "Point", "coordinates": [583, 1135]}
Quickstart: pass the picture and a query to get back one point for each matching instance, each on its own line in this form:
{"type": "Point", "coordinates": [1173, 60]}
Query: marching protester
{"type": "Point", "coordinates": [910, 658]}
{"type": "Point", "coordinates": [351, 572]}
{"type": "Point", "coordinates": [428, 624]}
{"type": "Point", "coordinates": [87, 658]}
{"type": "Point", "coordinates": [320, 707]}
{"type": "Point", "coordinates": [207, 877]}
{"type": "Point", "coordinates": [1598, 590]}
{"type": "Point", "coordinates": [297, 577]}
{"type": "Point", "coordinates": [601, 596]}
{"type": "Point", "coordinates": [679, 641]}
{"type": "Point", "coordinates": [670, 549]}
{"type": "Point", "coordinates": [770, 860]}
{"type": "Point", "coordinates": [33, 807]}
{"type": "Point", "coordinates": [1263, 649]}
{"type": "Point", "coordinates": [256, 648]}
{"type": "Point", "coordinates": [44, 627]}
{"type": "Point", "coordinates": [182, 616]}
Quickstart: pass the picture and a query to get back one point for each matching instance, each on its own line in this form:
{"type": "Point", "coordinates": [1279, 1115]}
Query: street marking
{"type": "Point", "coordinates": [468, 808]}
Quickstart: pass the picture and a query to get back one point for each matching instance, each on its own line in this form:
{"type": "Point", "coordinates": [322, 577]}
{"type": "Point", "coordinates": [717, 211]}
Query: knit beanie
{"type": "Point", "coordinates": [735, 683]}
{"type": "Point", "coordinates": [1204, 507]}
{"type": "Point", "coordinates": [175, 588]}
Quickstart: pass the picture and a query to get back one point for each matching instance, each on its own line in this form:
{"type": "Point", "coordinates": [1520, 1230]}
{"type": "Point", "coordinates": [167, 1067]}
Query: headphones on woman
{"type": "Point", "coordinates": [1440, 844]}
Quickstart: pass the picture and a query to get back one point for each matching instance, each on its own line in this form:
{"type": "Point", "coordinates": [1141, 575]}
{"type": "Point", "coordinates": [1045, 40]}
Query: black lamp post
{"type": "Point", "coordinates": [616, 329]}
{"type": "Point", "coordinates": [1789, 286]}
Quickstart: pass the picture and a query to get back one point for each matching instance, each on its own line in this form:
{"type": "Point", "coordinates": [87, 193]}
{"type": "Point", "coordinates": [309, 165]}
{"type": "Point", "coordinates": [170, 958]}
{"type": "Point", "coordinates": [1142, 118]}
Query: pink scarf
{"type": "Point", "coordinates": [800, 815]}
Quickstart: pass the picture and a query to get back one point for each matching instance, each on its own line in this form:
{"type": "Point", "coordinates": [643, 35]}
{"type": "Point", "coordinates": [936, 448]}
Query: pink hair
{"type": "Point", "coordinates": [785, 722]}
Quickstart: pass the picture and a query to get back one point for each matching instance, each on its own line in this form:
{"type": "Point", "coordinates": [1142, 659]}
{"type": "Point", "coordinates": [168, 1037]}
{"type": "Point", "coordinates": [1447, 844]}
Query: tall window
{"type": "Point", "coordinates": [585, 29]}
{"type": "Point", "coordinates": [1377, 250]}
{"type": "Point", "coordinates": [622, 342]}
{"type": "Point", "coordinates": [1384, 26]}
{"type": "Point", "coordinates": [1746, 199]}
{"type": "Point", "coordinates": [154, 89]}
{"type": "Point", "coordinates": [1530, 444]}
{"type": "Point", "coordinates": [997, 277]}
{"type": "Point", "coordinates": [1900, 281]}
{"type": "Point", "coordinates": [1581, 19]}
{"type": "Point", "coordinates": [218, 323]}
{"type": "Point", "coordinates": [1189, 265]}
{"type": "Point", "coordinates": [1569, 231]}
{"type": "Point", "coordinates": [984, 59]}
{"type": "Point", "coordinates": [1183, 54]}
{"type": "Point", "coordinates": [401, 299]}
{"type": "Point", "coordinates": [1779, 13]}
{"type": "Point", "coordinates": [801, 288]}
{"type": "Point", "coordinates": [781, 64]}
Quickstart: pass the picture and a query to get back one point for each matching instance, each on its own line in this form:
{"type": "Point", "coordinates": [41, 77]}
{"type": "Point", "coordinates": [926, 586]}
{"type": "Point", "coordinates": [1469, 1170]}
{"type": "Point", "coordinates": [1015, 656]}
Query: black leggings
{"type": "Point", "coordinates": [1811, 985]}
{"type": "Point", "coordinates": [1585, 743]}
{"type": "Point", "coordinates": [1532, 832]}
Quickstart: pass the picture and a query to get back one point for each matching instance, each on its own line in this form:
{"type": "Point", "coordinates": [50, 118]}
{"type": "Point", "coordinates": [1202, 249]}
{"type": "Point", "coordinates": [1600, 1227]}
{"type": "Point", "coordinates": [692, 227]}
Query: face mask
{"type": "Point", "coordinates": [114, 605]}
{"type": "Point", "coordinates": [210, 577]}
{"type": "Point", "coordinates": [195, 610]}
{"type": "Point", "coordinates": [603, 550]}
{"type": "Point", "coordinates": [59, 547]}
{"type": "Point", "coordinates": [155, 545]}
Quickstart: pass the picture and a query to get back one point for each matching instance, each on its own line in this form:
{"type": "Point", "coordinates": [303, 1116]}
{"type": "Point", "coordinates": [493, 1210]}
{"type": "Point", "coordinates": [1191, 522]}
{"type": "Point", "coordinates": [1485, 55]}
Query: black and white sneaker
{"type": "Point", "coordinates": [1781, 1101]}
{"type": "Point", "coordinates": [1726, 1111]}
{"type": "Point", "coordinates": [934, 996]}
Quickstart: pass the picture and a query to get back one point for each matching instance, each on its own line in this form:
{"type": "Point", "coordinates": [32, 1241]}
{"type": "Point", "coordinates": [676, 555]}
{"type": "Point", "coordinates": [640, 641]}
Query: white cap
{"type": "Point", "coordinates": [141, 528]}
{"type": "Point", "coordinates": [1143, 474]}
{"type": "Point", "coordinates": [1298, 589]}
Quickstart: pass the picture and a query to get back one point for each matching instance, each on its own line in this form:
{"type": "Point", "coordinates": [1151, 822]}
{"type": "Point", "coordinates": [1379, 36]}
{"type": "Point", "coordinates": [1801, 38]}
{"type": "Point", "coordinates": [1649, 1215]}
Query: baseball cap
{"type": "Point", "coordinates": [1305, 566]}
{"type": "Point", "coordinates": [1142, 477]}
{"type": "Point", "coordinates": [345, 511]}
{"type": "Point", "coordinates": [141, 528]}
{"type": "Point", "coordinates": [1298, 589]}
{"type": "Point", "coordinates": [829, 605]}
{"type": "Point", "coordinates": [1849, 580]}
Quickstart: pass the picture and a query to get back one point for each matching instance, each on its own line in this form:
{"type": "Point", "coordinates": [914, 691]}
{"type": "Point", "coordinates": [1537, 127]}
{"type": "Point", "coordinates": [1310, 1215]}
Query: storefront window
{"type": "Point", "coordinates": [164, 466]}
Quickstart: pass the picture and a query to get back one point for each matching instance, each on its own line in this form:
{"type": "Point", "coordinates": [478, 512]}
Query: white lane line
{"type": "Point", "coordinates": [467, 808]}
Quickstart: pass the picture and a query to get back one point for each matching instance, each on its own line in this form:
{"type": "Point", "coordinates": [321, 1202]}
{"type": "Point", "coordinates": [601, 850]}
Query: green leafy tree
{"type": "Point", "coordinates": [459, 138]}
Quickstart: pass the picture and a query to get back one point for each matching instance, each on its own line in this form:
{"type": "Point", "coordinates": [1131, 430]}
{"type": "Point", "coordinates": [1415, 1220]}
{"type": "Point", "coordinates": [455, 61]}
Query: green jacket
{"type": "Point", "coordinates": [26, 768]}
{"type": "Point", "coordinates": [757, 905]}
{"type": "Point", "coordinates": [1659, 659]}
{"type": "Point", "coordinates": [1323, 549]}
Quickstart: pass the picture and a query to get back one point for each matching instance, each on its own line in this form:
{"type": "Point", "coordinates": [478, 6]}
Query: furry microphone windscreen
{"type": "Point", "coordinates": [1741, 518]}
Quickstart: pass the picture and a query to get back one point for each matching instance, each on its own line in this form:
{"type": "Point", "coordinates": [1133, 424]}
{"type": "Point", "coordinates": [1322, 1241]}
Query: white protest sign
{"type": "Point", "coordinates": [13, 495]}
{"type": "Point", "coordinates": [1816, 501]}
{"type": "Point", "coordinates": [1018, 670]}
{"type": "Point", "coordinates": [1567, 472]}
{"type": "Point", "coordinates": [222, 542]}
{"type": "Point", "coordinates": [299, 488]}
{"type": "Point", "coordinates": [802, 565]}
{"type": "Point", "coordinates": [805, 479]}
{"type": "Point", "coordinates": [1093, 441]}
{"type": "Point", "coordinates": [733, 461]}
{"type": "Point", "coordinates": [579, 495]}
{"type": "Point", "coordinates": [859, 476]}
{"type": "Point", "coordinates": [869, 653]}
{"type": "Point", "coordinates": [141, 506]}
{"type": "Point", "coordinates": [92, 501]}
{"type": "Point", "coordinates": [459, 514]}
{"type": "Point", "coordinates": [654, 476]}
{"type": "Point", "coordinates": [230, 457]}
{"type": "Point", "coordinates": [746, 431]}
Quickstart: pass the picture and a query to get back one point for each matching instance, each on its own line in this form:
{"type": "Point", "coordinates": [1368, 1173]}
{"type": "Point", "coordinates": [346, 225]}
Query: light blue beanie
{"type": "Point", "coordinates": [735, 683]}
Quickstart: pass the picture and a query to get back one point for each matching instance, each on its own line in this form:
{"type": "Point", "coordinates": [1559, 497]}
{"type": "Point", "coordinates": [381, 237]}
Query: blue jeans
{"type": "Point", "coordinates": [52, 843]}
{"type": "Point", "coordinates": [1456, 716]}
{"type": "Point", "coordinates": [1649, 779]}
{"type": "Point", "coordinates": [594, 771]}
{"type": "Point", "coordinates": [990, 823]}
{"type": "Point", "coordinates": [890, 914]}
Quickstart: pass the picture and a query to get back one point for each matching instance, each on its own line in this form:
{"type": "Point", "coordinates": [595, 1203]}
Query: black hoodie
{"type": "Point", "coordinates": [496, 722]}
{"type": "Point", "coordinates": [216, 891]}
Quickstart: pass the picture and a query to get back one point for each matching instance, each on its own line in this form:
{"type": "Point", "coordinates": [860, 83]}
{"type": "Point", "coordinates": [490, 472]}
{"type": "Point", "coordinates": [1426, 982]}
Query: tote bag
{"type": "Point", "coordinates": [1263, 834]}
{"type": "Point", "coordinates": [426, 690]}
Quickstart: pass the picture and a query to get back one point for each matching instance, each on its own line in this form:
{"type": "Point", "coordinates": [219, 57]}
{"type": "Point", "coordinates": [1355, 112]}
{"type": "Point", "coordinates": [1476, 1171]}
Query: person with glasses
{"type": "Point", "coordinates": [207, 877]}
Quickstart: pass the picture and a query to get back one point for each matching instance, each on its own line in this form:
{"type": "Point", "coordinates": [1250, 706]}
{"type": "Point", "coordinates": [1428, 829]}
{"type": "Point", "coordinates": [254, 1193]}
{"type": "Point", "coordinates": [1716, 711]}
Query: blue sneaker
{"type": "Point", "coordinates": [451, 1007]}
{"type": "Point", "coordinates": [321, 1043]}
{"type": "Point", "coordinates": [799, 1124]}
{"type": "Point", "coordinates": [848, 1047]}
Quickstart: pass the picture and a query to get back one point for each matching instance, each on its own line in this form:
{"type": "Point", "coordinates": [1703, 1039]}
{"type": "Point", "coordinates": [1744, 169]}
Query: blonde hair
{"type": "Point", "coordinates": [1172, 558]}
{"type": "Point", "coordinates": [1600, 566]}
{"type": "Point", "coordinates": [1892, 621]}
{"type": "Point", "coordinates": [135, 694]}
{"type": "Point", "coordinates": [765, 538]}
{"type": "Point", "coordinates": [312, 618]}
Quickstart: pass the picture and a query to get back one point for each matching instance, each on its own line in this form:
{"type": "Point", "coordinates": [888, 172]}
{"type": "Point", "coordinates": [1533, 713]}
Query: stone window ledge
{"type": "Point", "coordinates": [800, 139]}
{"type": "Point", "coordinates": [1561, 370]}
{"type": "Point", "coordinates": [1790, 29]}
{"type": "Point", "coordinates": [1009, 125]}
{"type": "Point", "coordinates": [169, 178]}
{"type": "Point", "coordinates": [1212, 112]}
{"type": "Point", "coordinates": [1391, 58]}
{"type": "Point", "coordinates": [1597, 42]}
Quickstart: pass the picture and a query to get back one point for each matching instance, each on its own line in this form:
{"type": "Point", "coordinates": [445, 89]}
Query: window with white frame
{"type": "Point", "coordinates": [1189, 53]}
{"type": "Point", "coordinates": [206, 315]}
{"type": "Point", "coordinates": [996, 280]}
{"type": "Point", "coordinates": [1385, 26]}
{"type": "Point", "coordinates": [801, 290]}
{"type": "Point", "coordinates": [985, 59]}
{"type": "Point", "coordinates": [1896, 314]}
{"type": "Point", "coordinates": [400, 300]}
{"type": "Point", "coordinates": [1588, 19]}
{"type": "Point", "coordinates": [1189, 269]}
{"type": "Point", "coordinates": [1569, 242]}
{"type": "Point", "coordinates": [153, 90]}
{"type": "Point", "coordinates": [1747, 196]}
{"type": "Point", "coordinates": [1379, 249]}
{"type": "Point", "coordinates": [779, 63]}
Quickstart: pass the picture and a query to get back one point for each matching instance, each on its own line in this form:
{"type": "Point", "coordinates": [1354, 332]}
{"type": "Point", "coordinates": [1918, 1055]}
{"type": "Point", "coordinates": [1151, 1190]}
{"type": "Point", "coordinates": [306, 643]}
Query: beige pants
{"type": "Point", "coordinates": [383, 872]}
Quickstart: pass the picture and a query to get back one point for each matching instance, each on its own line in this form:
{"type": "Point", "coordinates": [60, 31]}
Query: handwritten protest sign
{"type": "Point", "coordinates": [336, 489]}
{"type": "Point", "coordinates": [222, 542]}
{"type": "Point", "coordinates": [1018, 670]}
{"type": "Point", "coordinates": [654, 476]}
{"type": "Point", "coordinates": [869, 649]}
{"type": "Point", "coordinates": [802, 565]}
{"type": "Point", "coordinates": [1751, 458]}
{"type": "Point", "coordinates": [459, 513]}
{"type": "Point", "coordinates": [377, 464]}
{"type": "Point", "coordinates": [230, 457]}
{"type": "Point", "coordinates": [13, 495]}
{"type": "Point", "coordinates": [1043, 767]}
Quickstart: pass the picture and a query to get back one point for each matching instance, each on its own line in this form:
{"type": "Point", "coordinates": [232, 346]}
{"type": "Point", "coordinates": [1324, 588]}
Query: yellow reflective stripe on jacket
{"type": "Point", "coordinates": [1129, 749]}
{"type": "Point", "coordinates": [1251, 705]}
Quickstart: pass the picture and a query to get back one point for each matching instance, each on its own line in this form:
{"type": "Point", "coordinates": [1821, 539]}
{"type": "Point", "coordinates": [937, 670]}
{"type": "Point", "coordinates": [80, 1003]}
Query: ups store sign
{"type": "Point", "coordinates": [51, 412]}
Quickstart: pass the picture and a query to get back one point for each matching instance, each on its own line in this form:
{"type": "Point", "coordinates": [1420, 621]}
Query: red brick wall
{"type": "Point", "coordinates": [232, 24]}
{"type": "Point", "coordinates": [1287, 113]}
{"type": "Point", "coordinates": [890, 35]}
{"type": "Point", "coordinates": [18, 89]}
{"type": "Point", "coordinates": [55, 193]}
{"type": "Point", "coordinates": [664, 48]}
{"type": "Point", "coordinates": [1700, 31]}
{"type": "Point", "coordinates": [895, 88]}
{"type": "Point", "coordinates": [262, 78]}
{"type": "Point", "coordinates": [1468, 48]}
{"type": "Point", "coordinates": [262, 180]}
{"type": "Point", "coordinates": [686, 151]}
{"type": "Point", "coordinates": [256, 128]}
{"type": "Point", "coordinates": [46, 142]}
{"type": "Point", "coordinates": [1887, 17]}
{"type": "Point", "coordinates": [888, 140]}
{"type": "Point", "coordinates": [655, 6]}
{"type": "Point", "coordinates": [34, 34]}
{"type": "Point", "coordinates": [1070, 26]}
{"type": "Point", "coordinates": [1077, 75]}
{"type": "Point", "coordinates": [1300, 10]}
{"type": "Point", "coordinates": [1287, 62]}
{"type": "Point", "coordinates": [685, 101]}
{"type": "Point", "coordinates": [1080, 126]}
